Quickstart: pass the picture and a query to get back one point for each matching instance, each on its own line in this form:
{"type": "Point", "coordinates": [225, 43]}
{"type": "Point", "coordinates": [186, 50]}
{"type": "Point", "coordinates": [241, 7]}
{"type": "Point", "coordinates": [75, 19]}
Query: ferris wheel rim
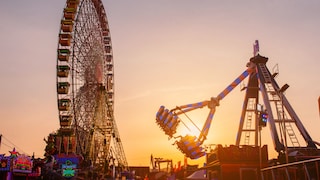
{"type": "Point", "coordinates": [85, 85]}
{"type": "Point", "coordinates": [71, 76]}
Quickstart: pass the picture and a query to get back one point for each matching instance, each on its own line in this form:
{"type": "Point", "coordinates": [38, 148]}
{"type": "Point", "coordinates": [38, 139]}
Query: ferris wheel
{"type": "Point", "coordinates": [85, 85]}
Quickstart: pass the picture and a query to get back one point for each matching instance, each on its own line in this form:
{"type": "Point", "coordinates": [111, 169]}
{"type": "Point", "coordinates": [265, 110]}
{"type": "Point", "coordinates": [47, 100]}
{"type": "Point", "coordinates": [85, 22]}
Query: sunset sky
{"type": "Point", "coordinates": [168, 52]}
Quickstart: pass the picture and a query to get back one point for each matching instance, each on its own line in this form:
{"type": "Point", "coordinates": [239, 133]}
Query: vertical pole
{"type": "Point", "coordinates": [284, 129]}
{"type": "Point", "coordinates": [68, 143]}
{"type": "Point", "coordinates": [60, 143]}
{"type": "Point", "coordinates": [9, 176]}
{"type": "Point", "coordinates": [260, 153]}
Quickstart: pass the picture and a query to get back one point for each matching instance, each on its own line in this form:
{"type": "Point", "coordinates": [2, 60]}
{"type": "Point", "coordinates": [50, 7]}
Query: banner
{"type": "Point", "coordinates": [4, 163]}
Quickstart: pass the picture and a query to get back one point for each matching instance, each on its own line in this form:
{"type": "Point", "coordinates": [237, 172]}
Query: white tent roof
{"type": "Point", "coordinates": [198, 175]}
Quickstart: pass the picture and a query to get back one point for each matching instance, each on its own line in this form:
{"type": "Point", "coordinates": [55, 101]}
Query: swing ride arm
{"type": "Point", "coordinates": [191, 145]}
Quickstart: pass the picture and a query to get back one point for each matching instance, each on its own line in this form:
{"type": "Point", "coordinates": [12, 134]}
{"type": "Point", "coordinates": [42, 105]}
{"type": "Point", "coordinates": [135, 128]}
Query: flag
{"type": "Point", "coordinates": [256, 48]}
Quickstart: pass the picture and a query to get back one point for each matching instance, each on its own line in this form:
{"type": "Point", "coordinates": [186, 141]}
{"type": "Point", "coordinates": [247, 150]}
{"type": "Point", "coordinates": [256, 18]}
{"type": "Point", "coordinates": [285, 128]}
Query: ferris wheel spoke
{"type": "Point", "coordinates": [85, 84]}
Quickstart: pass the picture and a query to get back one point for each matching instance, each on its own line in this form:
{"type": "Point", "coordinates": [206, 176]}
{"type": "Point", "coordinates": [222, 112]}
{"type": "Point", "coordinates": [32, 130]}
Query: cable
{"type": "Point", "coordinates": [14, 146]}
{"type": "Point", "coordinates": [189, 120]}
{"type": "Point", "coordinates": [2, 143]}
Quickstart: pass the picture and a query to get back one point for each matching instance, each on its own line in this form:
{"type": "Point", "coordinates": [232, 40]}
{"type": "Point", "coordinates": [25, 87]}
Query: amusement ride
{"type": "Point", "coordinates": [85, 88]}
{"type": "Point", "coordinates": [88, 144]}
{"type": "Point", "coordinates": [265, 104]}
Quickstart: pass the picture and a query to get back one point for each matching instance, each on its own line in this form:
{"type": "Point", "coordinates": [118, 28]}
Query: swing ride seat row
{"type": "Point", "coordinates": [168, 120]}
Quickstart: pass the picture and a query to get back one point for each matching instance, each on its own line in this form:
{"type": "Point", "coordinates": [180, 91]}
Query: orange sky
{"type": "Point", "coordinates": [165, 53]}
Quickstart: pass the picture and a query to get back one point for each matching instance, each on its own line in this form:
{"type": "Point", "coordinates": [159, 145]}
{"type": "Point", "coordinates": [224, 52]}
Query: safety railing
{"type": "Point", "coordinates": [306, 169]}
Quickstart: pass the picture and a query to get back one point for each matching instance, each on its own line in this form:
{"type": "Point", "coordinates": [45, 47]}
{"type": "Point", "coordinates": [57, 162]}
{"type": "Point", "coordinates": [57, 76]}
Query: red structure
{"type": "Point", "coordinates": [236, 162]}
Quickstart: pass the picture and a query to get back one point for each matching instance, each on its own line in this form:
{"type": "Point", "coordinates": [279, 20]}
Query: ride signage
{"type": "Point", "coordinates": [22, 164]}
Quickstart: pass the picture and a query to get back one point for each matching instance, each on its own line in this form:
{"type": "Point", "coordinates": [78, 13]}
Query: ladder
{"type": "Point", "coordinates": [265, 73]}
{"type": "Point", "coordinates": [250, 112]}
{"type": "Point", "coordinates": [286, 123]}
{"type": "Point", "coordinates": [282, 117]}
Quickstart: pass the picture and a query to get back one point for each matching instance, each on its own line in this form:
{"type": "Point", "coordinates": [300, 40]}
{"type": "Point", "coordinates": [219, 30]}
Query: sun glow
{"type": "Point", "coordinates": [192, 122]}
{"type": "Point", "coordinates": [187, 129]}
